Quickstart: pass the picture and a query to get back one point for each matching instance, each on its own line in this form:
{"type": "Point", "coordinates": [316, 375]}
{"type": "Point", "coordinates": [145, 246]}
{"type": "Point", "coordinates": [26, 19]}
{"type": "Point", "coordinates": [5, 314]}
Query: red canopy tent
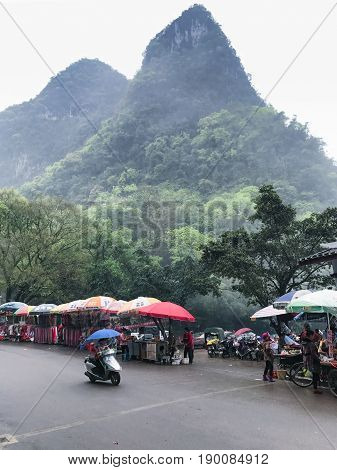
{"type": "Point", "coordinates": [166, 310]}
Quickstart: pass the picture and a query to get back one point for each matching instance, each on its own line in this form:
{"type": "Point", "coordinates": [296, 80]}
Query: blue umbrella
{"type": "Point", "coordinates": [11, 306]}
{"type": "Point", "coordinates": [286, 297]}
{"type": "Point", "coordinates": [284, 300]}
{"type": "Point", "coordinates": [102, 334]}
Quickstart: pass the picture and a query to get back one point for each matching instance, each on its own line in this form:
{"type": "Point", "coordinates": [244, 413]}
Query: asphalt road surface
{"type": "Point", "coordinates": [213, 404]}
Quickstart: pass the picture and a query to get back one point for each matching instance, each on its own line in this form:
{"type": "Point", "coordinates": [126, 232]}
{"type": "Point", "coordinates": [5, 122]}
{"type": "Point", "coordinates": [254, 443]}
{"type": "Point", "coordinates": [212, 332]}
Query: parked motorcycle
{"type": "Point", "coordinates": [247, 347]}
{"type": "Point", "coordinates": [229, 349]}
{"type": "Point", "coordinates": [214, 347]}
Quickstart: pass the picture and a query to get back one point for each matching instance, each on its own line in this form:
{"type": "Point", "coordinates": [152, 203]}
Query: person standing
{"type": "Point", "coordinates": [123, 341]}
{"type": "Point", "coordinates": [311, 359]}
{"type": "Point", "coordinates": [188, 341]}
{"type": "Point", "coordinates": [305, 331]}
{"type": "Point", "coordinates": [268, 357]}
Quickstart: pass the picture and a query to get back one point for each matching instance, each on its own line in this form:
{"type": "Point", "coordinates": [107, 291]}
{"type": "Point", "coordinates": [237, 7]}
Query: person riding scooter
{"type": "Point", "coordinates": [96, 358]}
{"type": "Point", "coordinates": [103, 365]}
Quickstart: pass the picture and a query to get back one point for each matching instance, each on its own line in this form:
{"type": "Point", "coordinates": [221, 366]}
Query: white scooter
{"type": "Point", "coordinates": [105, 368]}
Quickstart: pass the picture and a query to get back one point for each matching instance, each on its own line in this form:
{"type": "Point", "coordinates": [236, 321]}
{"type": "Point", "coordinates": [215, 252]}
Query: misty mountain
{"type": "Point", "coordinates": [189, 70]}
{"type": "Point", "coordinates": [68, 110]}
{"type": "Point", "coordinates": [190, 119]}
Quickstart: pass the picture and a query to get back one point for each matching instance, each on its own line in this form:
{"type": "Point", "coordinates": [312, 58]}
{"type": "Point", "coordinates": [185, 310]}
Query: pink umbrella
{"type": "Point", "coordinates": [242, 331]}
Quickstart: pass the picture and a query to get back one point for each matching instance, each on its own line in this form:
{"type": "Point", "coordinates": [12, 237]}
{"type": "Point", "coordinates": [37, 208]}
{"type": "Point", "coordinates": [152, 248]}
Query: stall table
{"type": "Point", "coordinates": [147, 350]}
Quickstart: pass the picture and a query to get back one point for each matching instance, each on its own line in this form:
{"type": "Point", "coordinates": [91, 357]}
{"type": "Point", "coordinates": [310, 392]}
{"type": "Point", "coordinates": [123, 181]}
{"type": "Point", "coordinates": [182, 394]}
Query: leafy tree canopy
{"type": "Point", "coordinates": [263, 262]}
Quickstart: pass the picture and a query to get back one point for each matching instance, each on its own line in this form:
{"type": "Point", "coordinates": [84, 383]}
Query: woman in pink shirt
{"type": "Point", "coordinates": [188, 341]}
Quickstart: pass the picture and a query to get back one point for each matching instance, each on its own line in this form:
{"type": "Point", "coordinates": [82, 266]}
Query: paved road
{"type": "Point", "coordinates": [213, 404]}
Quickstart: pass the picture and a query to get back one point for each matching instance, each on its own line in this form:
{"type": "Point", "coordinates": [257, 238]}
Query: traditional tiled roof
{"type": "Point", "coordinates": [328, 254]}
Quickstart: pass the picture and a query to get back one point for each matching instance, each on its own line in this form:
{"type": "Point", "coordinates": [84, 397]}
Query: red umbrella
{"type": "Point", "coordinates": [242, 331]}
{"type": "Point", "coordinates": [166, 310]}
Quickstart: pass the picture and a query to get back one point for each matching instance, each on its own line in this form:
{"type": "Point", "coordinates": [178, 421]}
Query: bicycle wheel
{"type": "Point", "coordinates": [332, 382]}
{"type": "Point", "coordinates": [299, 375]}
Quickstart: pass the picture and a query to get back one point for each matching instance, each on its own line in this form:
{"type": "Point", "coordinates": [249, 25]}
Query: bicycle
{"type": "Point", "coordinates": [303, 378]}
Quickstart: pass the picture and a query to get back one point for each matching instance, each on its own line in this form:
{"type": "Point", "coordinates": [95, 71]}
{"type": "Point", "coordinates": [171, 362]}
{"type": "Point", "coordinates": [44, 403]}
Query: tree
{"type": "Point", "coordinates": [185, 276]}
{"type": "Point", "coordinates": [263, 262]}
{"type": "Point", "coordinates": [41, 255]}
{"type": "Point", "coordinates": [120, 267]}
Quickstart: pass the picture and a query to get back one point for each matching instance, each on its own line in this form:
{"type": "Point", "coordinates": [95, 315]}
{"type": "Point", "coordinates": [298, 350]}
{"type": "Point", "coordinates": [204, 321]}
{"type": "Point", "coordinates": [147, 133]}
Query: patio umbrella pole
{"type": "Point", "coordinates": [170, 332]}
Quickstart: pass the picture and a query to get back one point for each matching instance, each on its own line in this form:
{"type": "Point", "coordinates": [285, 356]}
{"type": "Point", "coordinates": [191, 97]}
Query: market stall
{"type": "Point", "coordinates": [26, 323]}
{"type": "Point", "coordinates": [288, 351]}
{"type": "Point", "coordinates": [45, 331]}
{"type": "Point", "coordinates": [70, 330]}
{"type": "Point", "coordinates": [319, 308]}
{"type": "Point", "coordinates": [139, 344]}
{"type": "Point", "coordinates": [162, 347]}
{"type": "Point", "coordinates": [81, 318]}
{"type": "Point", "coordinates": [9, 324]}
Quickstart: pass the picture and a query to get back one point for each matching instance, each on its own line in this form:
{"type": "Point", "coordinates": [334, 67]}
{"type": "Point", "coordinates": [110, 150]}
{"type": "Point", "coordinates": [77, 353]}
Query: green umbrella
{"type": "Point", "coordinates": [322, 301]}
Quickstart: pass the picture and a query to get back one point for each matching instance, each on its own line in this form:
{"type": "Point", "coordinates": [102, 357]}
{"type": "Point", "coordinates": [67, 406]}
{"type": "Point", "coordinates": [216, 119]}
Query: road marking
{"type": "Point", "coordinates": [191, 397]}
{"type": "Point", "coordinates": [132, 410]}
{"type": "Point", "coordinates": [53, 429]}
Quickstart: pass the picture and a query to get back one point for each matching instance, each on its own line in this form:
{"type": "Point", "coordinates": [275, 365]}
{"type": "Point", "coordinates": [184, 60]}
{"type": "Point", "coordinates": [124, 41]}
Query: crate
{"type": "Point", "coordinates": [281, 374]}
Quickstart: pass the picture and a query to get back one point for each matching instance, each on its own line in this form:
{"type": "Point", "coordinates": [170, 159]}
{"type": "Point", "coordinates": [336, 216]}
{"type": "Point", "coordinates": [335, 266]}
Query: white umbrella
{"type": "Point", "coordinates": [268, 312]}
{"type": "Point", "coordinates": [135, 304]}
{"type": "Point", "coordinates": [43, 308]}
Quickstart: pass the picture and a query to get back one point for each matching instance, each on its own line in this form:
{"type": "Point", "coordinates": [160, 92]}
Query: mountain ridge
{"type": "Point", "coordinates": [172, 91]}
{"type": "Point", "coordinates": [58, 120]}
{"type": "Point", "coordinates": [185, 112]}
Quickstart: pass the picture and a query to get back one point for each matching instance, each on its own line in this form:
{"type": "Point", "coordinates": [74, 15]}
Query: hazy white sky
{"type": "Point", "coordinates": [265, 33]}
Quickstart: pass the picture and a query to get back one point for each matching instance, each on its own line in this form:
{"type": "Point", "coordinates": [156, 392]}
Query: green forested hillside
{"type": "Point", "coordinates": [59, 120]}
{"type": "Point", "coordinates": [189, 71]}
{"type": "Point", "coordinates": [191, 119]}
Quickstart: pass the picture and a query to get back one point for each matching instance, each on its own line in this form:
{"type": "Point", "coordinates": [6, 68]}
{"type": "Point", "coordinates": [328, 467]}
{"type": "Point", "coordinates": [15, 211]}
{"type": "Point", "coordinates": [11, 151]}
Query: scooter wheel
{"type": "Point", "coordinates": [115, 378]}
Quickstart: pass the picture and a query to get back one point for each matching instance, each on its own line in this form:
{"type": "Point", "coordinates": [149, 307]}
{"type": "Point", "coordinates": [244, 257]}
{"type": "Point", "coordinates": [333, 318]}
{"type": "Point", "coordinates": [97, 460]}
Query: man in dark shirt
{"type": "Point", "coordinates": [311, 359]}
